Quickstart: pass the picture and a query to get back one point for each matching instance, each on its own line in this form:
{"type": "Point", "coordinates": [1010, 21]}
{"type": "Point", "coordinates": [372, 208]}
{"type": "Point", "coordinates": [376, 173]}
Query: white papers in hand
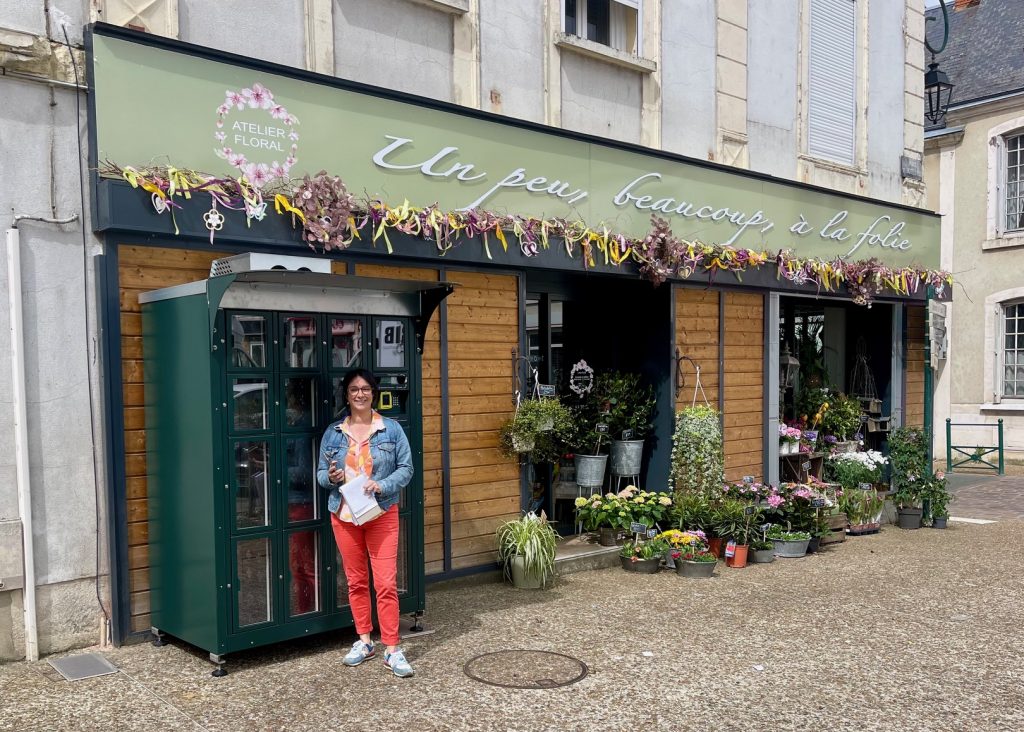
{"type": "Point", "coordinates": [364, 507]}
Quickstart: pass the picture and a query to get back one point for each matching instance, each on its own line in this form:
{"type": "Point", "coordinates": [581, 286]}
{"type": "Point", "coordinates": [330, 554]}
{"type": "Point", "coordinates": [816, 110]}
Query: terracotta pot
{"type": "Point", "coordinates": [715, 546]}
{"type": "Point", "coordinates": [739, 558]}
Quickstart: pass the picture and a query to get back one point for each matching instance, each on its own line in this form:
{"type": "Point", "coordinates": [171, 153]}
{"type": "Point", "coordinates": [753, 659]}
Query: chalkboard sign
{"type": "Point", "coordinates": [864, 486]}
{"type": "Point", "coordinates": [637, 528]}
{"type": "Point", "coordinates": [601, 428]}
{"type": "Point", "coordinates": [748, 479]}
{"type": "Point", "coordinates": [627, 434]}
{"type": "Point", "coordinates": [748, 510]}
{"type": "Point", "coordinates": [651, 533]}
{"type": "Point", "coordinates": [863, 418]}
{"type": "Point", "coordinates": [546, 390]}
{"type": "Point", "coordinates": [806, 465]}
{"type": "Point", "coordinates": [818, 502]}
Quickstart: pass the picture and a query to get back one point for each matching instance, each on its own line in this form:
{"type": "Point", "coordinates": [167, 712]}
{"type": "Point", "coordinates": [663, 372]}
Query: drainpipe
{"type": "Point", "coordinates": [21, 428]}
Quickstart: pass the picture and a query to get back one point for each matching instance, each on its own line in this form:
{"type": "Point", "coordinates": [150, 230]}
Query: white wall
{"type": "Point", "coordinates": [688, 120]}
{"type": "Point", "coordinates": [773, 43]}
{"type": "Point", "coordinates": [600, 99]}
{"type": "Point", "coordinates": [885, 100]}
{"type": "Point", "coordinates": [512, 58]}
{"type": "Point", "coordinates": [395, 44]}
{"type": "Point", "coordinates": [271, 30]}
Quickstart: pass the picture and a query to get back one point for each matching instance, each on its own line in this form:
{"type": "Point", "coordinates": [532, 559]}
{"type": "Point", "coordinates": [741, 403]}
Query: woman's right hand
{"type": "Point", "coordinates": [334, 475]}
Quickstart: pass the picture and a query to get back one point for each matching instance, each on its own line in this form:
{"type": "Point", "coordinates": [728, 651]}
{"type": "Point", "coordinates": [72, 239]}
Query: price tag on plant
{"type": "Point", "coordinates": [601, 428]}
{"type": "Point", "coordinates": [748, 510]}
{"type": "Point", "coordinates": [637, 528]}
{"type": "Point", "coordinates": [748, 479]}
{"type": "Point", "coordinates": [818, 502]}
{"type": "Point", "coordinates": [651, 533]}
{"type": "Point", "coordinates": [806, 465]}
{"type": "Point", "coordinates": [546, 390]}
{"type": "Point", "coordinates": [730, 549]}
{"type": "Point", "coordinates": [627, 434]}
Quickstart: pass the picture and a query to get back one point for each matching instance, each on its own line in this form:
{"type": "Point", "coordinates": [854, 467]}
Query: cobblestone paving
{"type": "Point", "coordinates": [988, 497]}
{"type": "Point", "coordinates": [903, 630]}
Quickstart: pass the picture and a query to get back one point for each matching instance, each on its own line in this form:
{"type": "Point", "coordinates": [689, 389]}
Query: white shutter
{"type": "Point", "coordinates": [832, 80]}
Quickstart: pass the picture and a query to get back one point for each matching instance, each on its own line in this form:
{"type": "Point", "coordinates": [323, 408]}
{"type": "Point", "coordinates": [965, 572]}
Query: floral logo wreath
{"type": "Point", "coordinates": [256, 97]}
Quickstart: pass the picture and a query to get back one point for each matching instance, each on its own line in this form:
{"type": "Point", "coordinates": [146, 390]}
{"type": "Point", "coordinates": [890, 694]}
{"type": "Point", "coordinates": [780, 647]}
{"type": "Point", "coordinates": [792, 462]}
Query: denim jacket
{"type": "Point", "coordinates": [392, 462]}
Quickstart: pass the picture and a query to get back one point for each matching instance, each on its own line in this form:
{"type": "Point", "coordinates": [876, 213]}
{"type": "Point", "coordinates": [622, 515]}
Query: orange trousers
{"type": "Point", "coordinates": [378, 541]}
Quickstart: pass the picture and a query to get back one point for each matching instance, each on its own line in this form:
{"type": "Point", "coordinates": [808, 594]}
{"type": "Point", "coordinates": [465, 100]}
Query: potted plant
{"type": "Point", "coordinates": [690, 512]}
{"type": "Point", "coordinates": [526, 550]}
{"type": "Point", "coordinates": [626, 404]}
{"type": "Point", "coordinates": [539, 428]}
{"type": "Point", "coordinates": [645, 507]}
{"type": "Point", "coordinates": [643, 556]}
{"type": "Point", "coordinates": [853, 469]}
{"type": "Point", "coordinates": [586, 439]}
{"type": "Point", "coordinates": [938, 497]}
{"type": "Point", "coordinates": [608, 515]}
{"type": "Point", "coordinates": [789, 439]}
{"type": "Point", "coordinates": [762, 551]}
{"type": "Point", "coordinates": [863, 509]}
{"type": "Point", "coordinates": [789, 544]}
{"type": "Point", "coordinates": [697, 453]}
{"type": "Point", "coordinates": [842, 420]}
{"type": "Point", "coordinates": [691, 555]}
{"type": "Point", "coordinates": [734, 521]}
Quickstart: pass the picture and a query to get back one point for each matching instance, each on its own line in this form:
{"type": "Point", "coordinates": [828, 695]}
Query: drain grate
{"type": "Point", "coordinates": [82, 666]}
{"type": "Point", "coordinates": [522, 669]}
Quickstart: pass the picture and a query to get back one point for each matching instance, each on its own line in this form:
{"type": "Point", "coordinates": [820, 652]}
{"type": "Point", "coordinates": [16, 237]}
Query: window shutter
{"type": "Point", "coordinates": [832, 81]}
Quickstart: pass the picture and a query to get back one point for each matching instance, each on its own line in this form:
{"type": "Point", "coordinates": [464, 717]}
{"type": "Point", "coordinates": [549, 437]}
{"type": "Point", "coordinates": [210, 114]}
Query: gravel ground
{"type": "Point", "coordinates": [904, 630]}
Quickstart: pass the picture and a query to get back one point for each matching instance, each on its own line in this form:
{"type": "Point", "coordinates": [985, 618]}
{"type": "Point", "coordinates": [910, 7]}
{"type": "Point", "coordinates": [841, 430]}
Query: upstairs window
{"type": "Point", "coordinates": [832, 81]}
{"type": "Point", "coordinates": [613, 23]}
{"type": "Point", "coordinates": [1014, 199]}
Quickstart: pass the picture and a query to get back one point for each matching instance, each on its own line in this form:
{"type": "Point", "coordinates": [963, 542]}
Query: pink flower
{"type": "Point", "coordinates": [775, 500]}
{"type": "Point", "coordinates": [234, 99]}
{"type": "Point", "coordinates": [940, 475]}
{"type": "Point", "coordinates": [293, 135]}
{"type": "Point", "coordinates": [220, 136]}
{"type": "Point", "coordinates": [224, 108]}
{"type": "Point", "coordinates": [259, 97]}
{"type": "Point", "coordinates": [278, 112]}
{"type": "Point", "coordinates": [235, 160]}
{"type": "Point", "coordinates": [257, 173]}
{"type": "Point", "coordinates": [277, 170]}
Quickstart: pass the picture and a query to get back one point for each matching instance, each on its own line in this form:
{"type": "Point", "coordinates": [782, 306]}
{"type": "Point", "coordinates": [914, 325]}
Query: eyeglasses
{"type": "Point", "coordinates": [358, 389]}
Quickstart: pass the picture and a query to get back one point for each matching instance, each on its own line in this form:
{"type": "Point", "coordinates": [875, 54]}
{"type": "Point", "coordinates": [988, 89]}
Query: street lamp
{"type": "Point", "coordinates": [937, 89]}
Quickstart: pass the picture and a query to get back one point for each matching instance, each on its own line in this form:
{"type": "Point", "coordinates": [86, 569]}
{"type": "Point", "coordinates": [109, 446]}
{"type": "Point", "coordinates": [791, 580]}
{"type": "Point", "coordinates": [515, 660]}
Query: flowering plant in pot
{"type": "Point", "coordinates": [863, 509]}
{"type": "Point", "coordinates": [852, 469]}
{"type": "Point", "coordinates": [842, 418]}
{"type": "Point", "coordinates": [608, 514]}
{"type": "Point", "coordinates": [691, 512]}
{"type": "Point", "coordinates": [645, 507]}
{"type": "Point", "coordinates": [643, 556]}
{"type": "Point", "coordinates": [789, 439]}
{"type": "Point", "coordinates": [788, 543]}
{"type": "Point", "coordinates": [691, 556]}
{"type": "Point", "coordinates": [526, 549]}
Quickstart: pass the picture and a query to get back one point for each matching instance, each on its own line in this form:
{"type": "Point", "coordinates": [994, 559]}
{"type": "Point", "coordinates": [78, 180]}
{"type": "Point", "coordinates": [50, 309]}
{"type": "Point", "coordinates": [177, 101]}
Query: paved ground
{"type": "Point", "coordinates": [986, 496]}
{"type": "Point", "coordinates": [904, 630]}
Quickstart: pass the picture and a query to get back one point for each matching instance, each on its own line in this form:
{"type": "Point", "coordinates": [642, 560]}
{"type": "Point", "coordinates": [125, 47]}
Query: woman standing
{"type": "Point", "coordinates": [365, 443]}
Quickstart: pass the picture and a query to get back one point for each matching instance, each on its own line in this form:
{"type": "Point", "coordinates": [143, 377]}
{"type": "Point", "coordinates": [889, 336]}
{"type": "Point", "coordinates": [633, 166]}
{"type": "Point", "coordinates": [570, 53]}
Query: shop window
{"type": "Point", "coordinates": [613, 23]}
{"type": "Point", "coordinates": [832, 81]}
{"type": "Point", "coordinates": [1012, 367]}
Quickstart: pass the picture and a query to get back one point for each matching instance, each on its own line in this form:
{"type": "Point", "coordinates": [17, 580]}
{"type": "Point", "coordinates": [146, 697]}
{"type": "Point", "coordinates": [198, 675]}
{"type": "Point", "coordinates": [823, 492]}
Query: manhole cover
{"type": "Point", "coordinates": [82, 666]}
{"type": "Point", "coordinates": [526, 669]}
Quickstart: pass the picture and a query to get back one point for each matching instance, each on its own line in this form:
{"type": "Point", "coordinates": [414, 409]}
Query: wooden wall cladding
{"type": "Point", "coordinates": [696, 318]}
{"type": "Point", "coordinates": [141, 269]}
{"type": "Point", "coordinates": [913, 414]}
{"type": "Point", "coordinates": [744, 385]}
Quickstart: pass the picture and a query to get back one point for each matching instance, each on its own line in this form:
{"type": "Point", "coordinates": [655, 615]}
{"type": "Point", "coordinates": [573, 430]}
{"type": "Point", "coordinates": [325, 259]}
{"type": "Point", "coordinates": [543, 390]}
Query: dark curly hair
{"type": "Point", "coordinates": [341, 398]}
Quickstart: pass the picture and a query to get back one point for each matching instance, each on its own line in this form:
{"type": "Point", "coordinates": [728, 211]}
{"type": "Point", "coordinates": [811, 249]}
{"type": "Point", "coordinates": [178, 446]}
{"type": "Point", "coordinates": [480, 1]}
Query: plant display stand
{"type": "Point", "coordinates": [797, 468]}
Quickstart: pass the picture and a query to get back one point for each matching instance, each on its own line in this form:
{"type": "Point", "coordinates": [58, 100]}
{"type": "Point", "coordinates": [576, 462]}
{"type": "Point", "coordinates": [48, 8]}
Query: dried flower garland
{"type": "Point", "coordinates": [333, 218]}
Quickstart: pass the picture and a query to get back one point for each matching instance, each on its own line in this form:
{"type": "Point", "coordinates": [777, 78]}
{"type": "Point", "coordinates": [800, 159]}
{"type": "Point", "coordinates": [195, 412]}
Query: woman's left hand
{"type": "Point", "coordinates": [371, 487]}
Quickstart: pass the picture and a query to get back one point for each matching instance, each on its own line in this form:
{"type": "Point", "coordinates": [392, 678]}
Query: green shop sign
{"type": "Point", "coordinates": [156, 105]}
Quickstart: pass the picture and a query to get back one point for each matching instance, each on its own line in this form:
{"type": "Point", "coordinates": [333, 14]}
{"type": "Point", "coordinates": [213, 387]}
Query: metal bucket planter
{"type": "Point", "coordinates": [608, 537]}
{"type": "Point", "coordinates": [590, 470]}
{"type": "Point", "coordinates": [790, 549]}
{"type": "Point", "coordinates": [522, 579]}
{"type": "Point", "coordinates": [762, 556]}
{"type": "Point", "coordinates": [641, 566]}
{"type": "Point", "coordinates": [626, 456]}
{"type": "Point", "coordinates": [848, 446]}
{"type": "Point", "coordinates": [695, 569]}
{"type": "Point", "coordinates": [910, 518]}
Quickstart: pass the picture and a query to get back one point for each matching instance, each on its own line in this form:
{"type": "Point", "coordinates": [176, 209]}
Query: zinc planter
{"type": "Point", "coordinates": [910, 518]}
{"type": "Point", "coordinates": [590, 470]}
{"type": "Point", "coordinates": [641, 566]}
{"type": "Point", "coordinates": [762, 556]}
{"type": "Point", "coordinates": [626, 456]}
{"type": "Point", "coordinates": [790, 549]}
{"type": "Point", "coordinates": [695, 569]}
{"type": "Point", "coordinates": [522, 579]}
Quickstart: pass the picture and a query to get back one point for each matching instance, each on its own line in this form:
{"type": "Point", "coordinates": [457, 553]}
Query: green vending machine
{"type": "Point", "coordinates": [242, 375]}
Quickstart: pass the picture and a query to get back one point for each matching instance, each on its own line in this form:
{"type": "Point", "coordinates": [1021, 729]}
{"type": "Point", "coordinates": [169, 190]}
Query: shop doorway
{"type": "Point", "coordinates": [833, 349]}
{"type": "Point", "coordinates": [612, 325]}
